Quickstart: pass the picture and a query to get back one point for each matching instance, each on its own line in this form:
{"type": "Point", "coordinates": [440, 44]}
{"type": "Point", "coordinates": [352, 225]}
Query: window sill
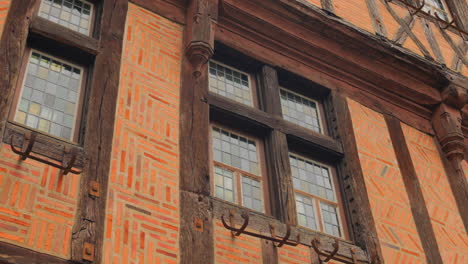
{"type": "Point", "coordinates": [45, 145]}
{"type": "Point", "coordinates": [261, 224]}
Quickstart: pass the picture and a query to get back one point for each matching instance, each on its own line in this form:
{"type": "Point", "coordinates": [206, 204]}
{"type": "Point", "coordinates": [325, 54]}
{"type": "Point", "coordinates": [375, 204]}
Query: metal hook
{"type": "Point", "coordinates": [29, 139]}
{"type": "Point", "coordinates": [285, 238]}
{"type": "Point", "coordinates": [235, 231]}
{"type": "Point", "coordinates": [25, 153]}
{"type": "Point", "coordinates": [328, 257]}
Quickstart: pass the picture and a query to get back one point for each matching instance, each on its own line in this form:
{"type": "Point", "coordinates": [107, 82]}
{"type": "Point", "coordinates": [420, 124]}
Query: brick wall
{"type": "Point", "coordinates": [37, 204]}
{"type": "Point", "coordinates": [445, 217]}
{"type": "Point", "coordinates": [4, 6]}
{"type": "Point", "coordinates": [142, 217]}
{"type": "Point", "coordinates": [294, 255]}
{"type": "Point", "coordinates": [355, 12]}
{"type": "Point", "coordinates": [241, 249]}
{"type": "Point", "coordinates": [389, 201]}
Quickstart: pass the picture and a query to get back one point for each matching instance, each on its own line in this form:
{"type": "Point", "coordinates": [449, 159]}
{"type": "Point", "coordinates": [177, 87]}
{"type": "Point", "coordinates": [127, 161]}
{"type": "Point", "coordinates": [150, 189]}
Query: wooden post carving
{"type": "Point", "coordinates": [196, 243]}
{"type": "Point", "coordinates": [447, 123]}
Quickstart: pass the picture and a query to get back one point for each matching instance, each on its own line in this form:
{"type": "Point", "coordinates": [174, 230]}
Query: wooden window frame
{"type": "Point", "coordinates": [79, 103]}
{"type": "Point", "coordinates": [320, 111]}
{"type": "Point", "coordinates": [339, 204]}
{"type": "Point", "coordinates": [239, 173]}
{"type": "Point", "coordinates": [251, 80]}
{"type": "Point", "coordinates": [92, 21]}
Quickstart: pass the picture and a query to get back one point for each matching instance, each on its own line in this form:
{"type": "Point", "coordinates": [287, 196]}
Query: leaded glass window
{"type": "Point", "coordinates": [316, 199]}
{"type": "Point", "coordinates": [73, 14]}
{"type": "Point", "coordinates": [231, 83]}
{"type": "Point", "coordinates": [437, 7]}
{"type": "Point", "coordinates": [236, 166]}
{"type": "Point", "coordinates": [50, 95]}
{"type": "Point", "coordinates": [300, 110]}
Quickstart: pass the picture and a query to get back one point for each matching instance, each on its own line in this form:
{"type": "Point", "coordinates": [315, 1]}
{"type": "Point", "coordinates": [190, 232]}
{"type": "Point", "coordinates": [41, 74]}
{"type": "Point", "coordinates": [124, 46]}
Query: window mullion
{"type": "Point", "coordinates": [282, 201]}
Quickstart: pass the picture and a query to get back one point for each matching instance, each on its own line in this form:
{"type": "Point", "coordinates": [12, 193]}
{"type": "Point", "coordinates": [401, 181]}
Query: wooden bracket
{"type": "Point", "coordinates": [95, 189]}
{"type": "Point", "coordinates": [88, 251]}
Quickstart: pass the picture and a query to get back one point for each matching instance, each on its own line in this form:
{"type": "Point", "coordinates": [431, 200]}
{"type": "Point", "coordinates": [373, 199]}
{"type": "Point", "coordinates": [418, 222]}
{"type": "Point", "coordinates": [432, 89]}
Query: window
{"type": "Point", "coordinates": [237, 168]}
{"type": "Point", "coordinates": [300, 110]}
{"type": "Point", "coordinates": [50, 96]}
{"type": "Point", "coordinates": [438, 7]}
{"type": "Point", "coordinates": [74, 14]}
{"type": "Point", "coordinates": [316, 197]}
{"type": "Point", "coordinates": [231, 83]}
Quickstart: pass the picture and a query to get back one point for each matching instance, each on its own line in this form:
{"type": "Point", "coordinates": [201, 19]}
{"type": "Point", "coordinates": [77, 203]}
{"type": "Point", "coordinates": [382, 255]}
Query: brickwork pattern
{"type": "Point", "coordinates": [230, 250]}
{"type": "Point", "coordinates": [390, 204]}
{"type": "Point", "coordinates": [142, 217]}
{"type": "Point", "coordinates": [37, 204]}
{"type": "Point", "coordinates": [294, 255]}
{"type": "Point", "coordinates": [4, 6]}
{"type": "Point", "coordinates": [445, 217]}
{"type": "Point", "coordinates": [357, 13]}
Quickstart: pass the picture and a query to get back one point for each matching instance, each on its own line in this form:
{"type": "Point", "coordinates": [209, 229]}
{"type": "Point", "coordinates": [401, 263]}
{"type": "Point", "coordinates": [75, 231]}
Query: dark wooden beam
{"type": "Point", "coordinates": [12, 46]}
{"type": "Point", "coordinates": [351, 176]}
{"type": "Point", "coordinates": [413, 188]}
{"type": "Point", "coordinates": [257, 121]}
{"type": "Point", "coordinates": [100, 115]}
{"type": "Point", "coordinates": [172, 10]}
{"type": "Point", "coordinates": [12, 254]}
{"type": "Point", "coordinates": [459, 10]}
{"type": "Point", "coordinates": [71, 39]}
{"type": "Point", "coordinates": [376, 18]}
{"type": "Point", "coordinates": [196, 244]}
{"type": "Point", "coordinates": [260, 223]}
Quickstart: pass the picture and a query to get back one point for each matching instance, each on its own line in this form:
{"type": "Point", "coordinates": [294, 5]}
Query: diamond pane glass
{"type": "Point", "coordinates": [230, 83]}
{"type": "Point", "coordinates": [235, 150]}
{"type": "Point", "coordinates": [252, 194]}
{"type": "Point", "coordinates": [305, 211]}
{"type": "Point", "coordinates": [311, 178]}
{"type": "Point", "coordinates": [49, 96]}
{"type": "Point", "coordinates": [224, 184]}
{"type": "Point", "coordinates": [330, 220]}
{"type": "Point", "coordinates": [300, 110]}
{"type": "Point", "coordinates": [73, 14]}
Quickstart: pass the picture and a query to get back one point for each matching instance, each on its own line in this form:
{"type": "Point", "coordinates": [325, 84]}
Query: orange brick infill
{"type": "Point", "coordinates": [37, 205]}
{"type": "Point", "coordinates": [390, 204]}
{"type": "Point", "coordinates": [240, 249]}
{"type": "Point", "coordinates": [142, 216]}
{"type": "Point", "coordinates": [448, 225]}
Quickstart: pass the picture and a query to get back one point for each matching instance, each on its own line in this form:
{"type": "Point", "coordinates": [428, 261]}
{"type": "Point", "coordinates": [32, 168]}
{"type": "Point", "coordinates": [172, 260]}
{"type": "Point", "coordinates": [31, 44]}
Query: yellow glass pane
{"type": "Point", "coordinates": [34, 108]}
{"type": "Point", "coordinates": [20, 117]}
{"type": "Point", "coordinates": [44, 125]}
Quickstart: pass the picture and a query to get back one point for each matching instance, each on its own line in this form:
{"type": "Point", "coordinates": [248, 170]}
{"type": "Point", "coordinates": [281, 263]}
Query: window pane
{"type": "Point", "coordinates": [73, 14]}
{"type": "Point", "coordinates": [436, 6]}
{"type": "Point", "coordinates": [330, 220]}
{"type": "Point", "coordinates": [231, 83]}
{"type": "Point", "coordinates": [45, 99]}
{"type": "Point", "coordinates": [252, 194]}
{"type": "Point", "coordinates": [300, 110]}
{"type": "Point", "coordinates": [305, 211]}
{"type": "Point", "coordinates": [235, 150]}
{"type": "Point", "coordinates": [311, 178]}
{"type": "Point", "coordinates": [224, 184]}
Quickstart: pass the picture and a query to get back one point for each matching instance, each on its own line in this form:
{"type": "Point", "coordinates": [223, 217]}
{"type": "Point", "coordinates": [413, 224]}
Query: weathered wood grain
{"type": "Point", "coordinates": [413, 189]}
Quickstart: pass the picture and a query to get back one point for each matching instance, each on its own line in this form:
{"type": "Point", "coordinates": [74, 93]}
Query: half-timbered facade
{"type": "Point", "coordinates": [233, 131]}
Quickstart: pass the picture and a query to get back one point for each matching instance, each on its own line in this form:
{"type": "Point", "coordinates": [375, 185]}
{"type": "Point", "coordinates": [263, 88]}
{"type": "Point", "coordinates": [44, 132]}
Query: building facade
{"type": "Point", "coordinates": [233, 131]}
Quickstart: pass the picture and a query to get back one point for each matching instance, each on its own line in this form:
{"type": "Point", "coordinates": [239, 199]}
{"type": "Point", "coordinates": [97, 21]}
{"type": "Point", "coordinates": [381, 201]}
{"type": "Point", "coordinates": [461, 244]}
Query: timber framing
{"type": "Point", "coordinates": [101, 55]}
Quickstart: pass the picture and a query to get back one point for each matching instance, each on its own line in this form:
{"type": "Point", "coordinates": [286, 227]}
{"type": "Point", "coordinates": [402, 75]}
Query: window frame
{"type": "Point", "coordinates": [432, 8]}
{"type": "Point", "coordinates": [319, 107]}
{"type": "Point", "coordinates": [250, 77]}
{"type": "Point", "coordinates": [339, 204]}
{"type": "Point", "coordinates": [239, 173]}
{"type": "Point", "coordinates": [19, 87]}
{"type": "Point", "coordinates": [92, 20]}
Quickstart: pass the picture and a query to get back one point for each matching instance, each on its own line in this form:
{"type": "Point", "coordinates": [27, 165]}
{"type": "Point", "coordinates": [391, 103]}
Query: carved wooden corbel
{"type": "Point", "coordinates": [447, 125]}
{"type": "Point", "coordinates": [201, 23]}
